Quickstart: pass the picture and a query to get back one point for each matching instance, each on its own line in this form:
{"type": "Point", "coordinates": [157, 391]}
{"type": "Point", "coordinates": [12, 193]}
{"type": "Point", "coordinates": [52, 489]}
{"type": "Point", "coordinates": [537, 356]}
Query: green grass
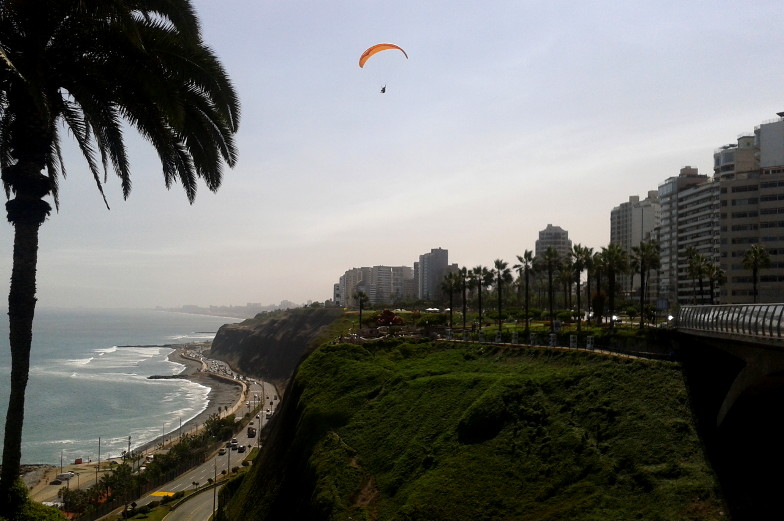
{"type": "Point", "coordinates": [464, 433]}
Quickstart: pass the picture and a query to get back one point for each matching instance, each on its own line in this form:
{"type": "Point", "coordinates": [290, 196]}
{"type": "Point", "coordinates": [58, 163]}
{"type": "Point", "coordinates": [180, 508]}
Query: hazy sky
{"type": "Point", "coordinates": [507, 116]}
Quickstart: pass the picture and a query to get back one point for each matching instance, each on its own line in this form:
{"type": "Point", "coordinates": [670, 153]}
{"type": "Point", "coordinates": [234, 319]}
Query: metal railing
{"type": "Point", "coordinates": [759, 321]}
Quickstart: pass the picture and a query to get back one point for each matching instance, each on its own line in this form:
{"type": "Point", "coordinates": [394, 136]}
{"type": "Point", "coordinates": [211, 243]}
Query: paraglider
{"type": "Point", "coordinates": [376, 49]}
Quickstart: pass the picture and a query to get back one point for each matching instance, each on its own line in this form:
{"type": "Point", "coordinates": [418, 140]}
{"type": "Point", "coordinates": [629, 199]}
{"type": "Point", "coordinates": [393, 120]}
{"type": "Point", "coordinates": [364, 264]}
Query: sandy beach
{"type": "Point", "coordinates": [223, 393]}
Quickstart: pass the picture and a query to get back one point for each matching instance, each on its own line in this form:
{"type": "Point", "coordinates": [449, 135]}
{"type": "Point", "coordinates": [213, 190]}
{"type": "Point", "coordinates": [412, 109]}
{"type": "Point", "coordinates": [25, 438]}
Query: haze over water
{"type": "Point", "coordinates": [84, 384]}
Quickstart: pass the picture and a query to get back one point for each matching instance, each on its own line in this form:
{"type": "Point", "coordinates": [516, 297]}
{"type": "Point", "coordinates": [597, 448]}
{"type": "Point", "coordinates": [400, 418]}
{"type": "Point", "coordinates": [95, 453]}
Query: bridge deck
{"type": "Point", "coordinates": [758, 323]}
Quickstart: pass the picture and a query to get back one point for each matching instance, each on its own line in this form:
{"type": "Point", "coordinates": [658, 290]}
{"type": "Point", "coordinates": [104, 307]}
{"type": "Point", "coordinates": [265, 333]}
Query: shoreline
{"type": "Point", "coordinates": [224, 393]}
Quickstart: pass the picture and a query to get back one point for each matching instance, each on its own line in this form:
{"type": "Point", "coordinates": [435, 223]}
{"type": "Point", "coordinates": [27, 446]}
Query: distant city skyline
{"type": "Point", "coordinates": [500, 121]}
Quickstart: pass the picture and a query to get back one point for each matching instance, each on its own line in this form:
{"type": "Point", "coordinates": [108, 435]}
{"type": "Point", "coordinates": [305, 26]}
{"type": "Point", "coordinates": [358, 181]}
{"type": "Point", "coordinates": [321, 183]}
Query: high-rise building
{"type": "Point", "coordinates": [698, 231]}
{"type": "Point", "coordinates": [431, 269]}
{"type": "Point", "coordinates": [751, 176]}
{"type": "Point", "coordinates": [630, 224]}
{"type": "Point", "coordinates": [556, 237]}
{"type": "Point", "coordinates": [668, 232]}
{"type": "Point", "coordinates": [381, 284]}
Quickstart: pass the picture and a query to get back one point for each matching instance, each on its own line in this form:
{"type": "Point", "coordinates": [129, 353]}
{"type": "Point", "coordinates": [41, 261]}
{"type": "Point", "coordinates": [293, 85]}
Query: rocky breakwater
{"type": "Point", "coordinates": [271, 345]}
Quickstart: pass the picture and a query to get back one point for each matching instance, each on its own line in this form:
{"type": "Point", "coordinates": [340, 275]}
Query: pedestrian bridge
{"type": "Point", "coordinates": [752, 333]}
{"type": "Point", "coordinates": [755, 323]}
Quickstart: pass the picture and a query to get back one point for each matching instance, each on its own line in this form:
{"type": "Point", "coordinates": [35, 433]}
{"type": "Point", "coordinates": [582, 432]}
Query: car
{"type": "Point", "coordinates": [55, 482]}
{"type": "Point", "coordinates": [228, 444]}
{"type": "Point", "coordinates": [241, 448]}
{"type": "Point", "coordinates": [222, 451]}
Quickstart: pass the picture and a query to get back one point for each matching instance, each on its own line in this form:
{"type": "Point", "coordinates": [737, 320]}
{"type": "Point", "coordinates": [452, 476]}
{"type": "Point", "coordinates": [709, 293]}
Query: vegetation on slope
{"type": "Point", "coordinates": [272, 344]}
{"type": "Point", "coordinates": [404, 430]}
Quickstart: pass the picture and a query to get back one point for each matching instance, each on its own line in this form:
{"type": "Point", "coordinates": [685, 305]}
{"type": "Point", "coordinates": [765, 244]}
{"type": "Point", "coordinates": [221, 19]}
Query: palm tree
{"type": "Point", "coordinates": [526, 265]}
{"type": "Point", "coordinates": [697, 270]}
{"type": "Point", "coordinates": [482, 277]}
{"type": "Point", "coordinates": [550, 261]}
{"type": "Point", "coordinates": [616, 262]}
{"type": "Point", "coordinates": [502, 275]}
{"type": "Point", "coordinates": [92, 66]}
{"type": "Point", "coordinates": [362, 299]}
{"type": "Point", "coordinates": [580, 258]}
{"type": "Point", "coordinates": [566, 279]}
{"type": "Point", "coordinates": [645, 257]}
{"type": "Point", "coordinates": [598, 266]}
{"type": "Point", "coordinates": [464, 276]}
{"type": "Point", "coordinates": [450, 283]}
{"type": "Point", "coordinates": [755, 259]}
{"type": "Point", "coordinates": [716, 277]}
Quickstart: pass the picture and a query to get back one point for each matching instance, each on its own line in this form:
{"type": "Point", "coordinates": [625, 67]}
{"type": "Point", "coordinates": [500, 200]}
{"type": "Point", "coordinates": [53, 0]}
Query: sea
{"type": "Point", "coordinates": [89, 389]}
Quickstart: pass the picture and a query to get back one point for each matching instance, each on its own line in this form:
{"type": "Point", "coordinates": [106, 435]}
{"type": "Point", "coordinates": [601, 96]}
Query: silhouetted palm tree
{"type": "Point", "coordinates": [598, 267]}
{"type": "Point", "coordinates": [502, 275]}
{"type": "Point", "coordinates": [616, 261]}
{"type": "Point", "coordinates": [645, 257]}
{"type": "Point", "coordinates": [697, 270]}
{"type": "Point", "coordinates": [716, 277]}
{"type": "Point", "coordinates": [755, 259]}
{"type": "Point", "coordinates": [526, 265]}
{"type": "Point", "coordinates": [482, 277]}
{"type": "Point", "coordinates": [463, 273]}
{"type": "Point", "coordinates": [91, 66]}
{"type": "Point", "coordinates": [449, 285]}
{"type": "Point", "coordinates": [580, 257]}
{"type": "Point", "coordinates": [550, 260]}
{"type": "Point", "coordinates": [362, 299]}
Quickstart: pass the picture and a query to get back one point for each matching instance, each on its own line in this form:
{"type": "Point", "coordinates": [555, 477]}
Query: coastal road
{"type": "Point", "coordinates": [197, 508]}
{"type": "Point", "coordinates": [200, 508]}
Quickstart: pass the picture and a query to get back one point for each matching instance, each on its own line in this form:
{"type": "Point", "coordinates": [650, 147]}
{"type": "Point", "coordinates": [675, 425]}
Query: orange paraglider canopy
{"type": "Point", "coordinates": [378, 48]}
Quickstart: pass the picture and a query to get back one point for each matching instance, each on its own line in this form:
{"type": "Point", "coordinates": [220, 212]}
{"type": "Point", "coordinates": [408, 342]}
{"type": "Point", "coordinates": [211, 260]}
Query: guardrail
{"type": "Point", "coordinates": [754, 321]}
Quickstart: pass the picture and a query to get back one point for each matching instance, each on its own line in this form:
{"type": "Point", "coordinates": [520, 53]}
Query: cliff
{"type": "Point", "coordinates": [271, 345]}
{"type": "Point", "coordinates": [414, 430]}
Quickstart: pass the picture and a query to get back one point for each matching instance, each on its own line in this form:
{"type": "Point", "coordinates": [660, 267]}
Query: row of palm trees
{"type": "Point", "coordinates": [602, 268]}
{"type": "Point", "coordinates": [702, 270]}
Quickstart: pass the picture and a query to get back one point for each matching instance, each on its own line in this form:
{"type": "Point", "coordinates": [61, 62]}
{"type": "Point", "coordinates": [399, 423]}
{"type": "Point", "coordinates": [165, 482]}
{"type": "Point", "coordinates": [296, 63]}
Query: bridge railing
{"type": "Point", "coordinates": [754, 320]}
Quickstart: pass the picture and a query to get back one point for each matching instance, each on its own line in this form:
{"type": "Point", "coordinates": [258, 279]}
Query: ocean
{"type": "Point", "coordinates": [88, 379]}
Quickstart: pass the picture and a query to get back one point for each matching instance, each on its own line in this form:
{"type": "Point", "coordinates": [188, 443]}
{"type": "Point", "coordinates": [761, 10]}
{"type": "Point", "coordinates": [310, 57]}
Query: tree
{"type": "Point", "coordinates": [716, 277]}
{"type": "Point", "coordinates": [502, 275]}
{"type": "Point", "coordinates": [616, 261]}
{"type": "Point", "coordinates": [566, 279]}
{"type": "Point", "coordinates": [449, 285]}
{"type": "Point", "coordinates": [550, 261]}
{"type": "Point", "coordinates": [598, 267]}
{"type": "Point", "coordinates": [755, 259]}
{"type": "Point", "coordinates": [92, 66]}
{"type": "Point", "coordinates": [697, 270]}
{"type": "Point", "coordinates": [526, 265]}
{"type": "Point", "coordinates": [482, 277]}
{"type": "Point", "coordinates": [581, 257]}
{"type": "Point", "coordinates": [362, 299]}
{"type": "Point", "coordinates": [645, 257]}
{"type": "Point", "coordinates": [463, 287]}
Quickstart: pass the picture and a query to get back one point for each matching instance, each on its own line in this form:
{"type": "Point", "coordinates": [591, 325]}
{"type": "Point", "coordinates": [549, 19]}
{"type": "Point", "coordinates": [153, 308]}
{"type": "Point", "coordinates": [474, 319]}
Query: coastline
{"type": "Point", "coordinates": [224, 393]}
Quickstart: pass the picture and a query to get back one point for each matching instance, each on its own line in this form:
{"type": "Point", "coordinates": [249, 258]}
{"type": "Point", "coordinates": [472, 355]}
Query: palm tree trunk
{"type": "Point", "coordinates": [642, 296]}
{"type": "Point", "coordinates": [21, 310]}
{"type": "Point", "coordinates": [526, 305]}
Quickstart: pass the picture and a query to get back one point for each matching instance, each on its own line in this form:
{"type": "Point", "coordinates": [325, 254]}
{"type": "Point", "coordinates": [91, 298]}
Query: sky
{"type": "Point", "coordinates": [507, 116]}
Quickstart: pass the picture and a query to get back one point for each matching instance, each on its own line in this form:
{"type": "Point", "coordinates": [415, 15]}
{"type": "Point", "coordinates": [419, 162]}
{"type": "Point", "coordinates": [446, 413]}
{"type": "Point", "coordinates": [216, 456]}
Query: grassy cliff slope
{"type": "Point", "coordinates": [400, 430]}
